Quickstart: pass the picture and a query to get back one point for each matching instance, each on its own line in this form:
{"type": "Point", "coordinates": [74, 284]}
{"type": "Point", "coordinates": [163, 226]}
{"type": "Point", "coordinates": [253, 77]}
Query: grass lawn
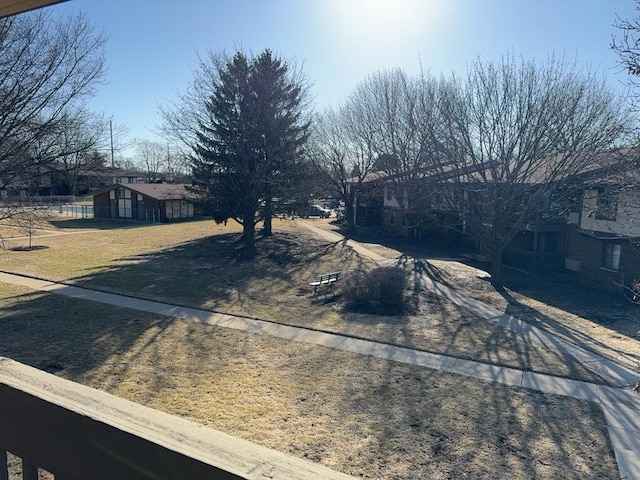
{"type": "Point", "coordinates": [363, 416]}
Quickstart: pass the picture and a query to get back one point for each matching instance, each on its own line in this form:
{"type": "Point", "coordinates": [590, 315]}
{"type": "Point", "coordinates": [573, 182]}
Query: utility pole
{"type": "Point", "coordinates": [169, 172]}
{"type": "Point", "coordinates": [111, 135]}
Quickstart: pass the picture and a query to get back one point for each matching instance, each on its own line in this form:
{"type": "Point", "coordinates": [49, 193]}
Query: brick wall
{"type": "Point", "coordinates": [588, 250]}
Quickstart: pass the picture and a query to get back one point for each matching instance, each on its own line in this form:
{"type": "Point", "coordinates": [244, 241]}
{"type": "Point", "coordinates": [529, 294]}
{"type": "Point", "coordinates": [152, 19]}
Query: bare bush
{"type": "Point", "coordinates": [381, 291]}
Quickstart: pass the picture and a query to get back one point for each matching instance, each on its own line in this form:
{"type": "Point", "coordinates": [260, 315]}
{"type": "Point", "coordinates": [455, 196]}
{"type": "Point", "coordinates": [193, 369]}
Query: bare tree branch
{"type": "Point", "coordinates": [48, 67]}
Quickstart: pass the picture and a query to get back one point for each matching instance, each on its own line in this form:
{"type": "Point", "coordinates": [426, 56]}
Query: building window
{"type": "Point", "coordinates": [607, 208]}
{"type": "Point", "coordinates": [611, 256]}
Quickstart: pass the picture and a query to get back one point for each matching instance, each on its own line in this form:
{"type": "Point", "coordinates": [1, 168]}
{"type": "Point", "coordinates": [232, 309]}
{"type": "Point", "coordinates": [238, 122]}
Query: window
{"type": "Point", "coordinates": [610, 256]}
{"type": "Point", "coordinates": [607, 206]}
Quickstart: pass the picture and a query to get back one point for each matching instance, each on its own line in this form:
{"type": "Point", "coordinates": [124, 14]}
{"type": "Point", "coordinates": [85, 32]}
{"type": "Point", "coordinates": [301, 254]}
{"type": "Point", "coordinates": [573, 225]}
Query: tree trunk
{"type": "Point", "coordinates": [496, 268]}
{"type": "Point", "coordinates": [248, 234]}
{"type": "Point", "coordinates": [349, 211]}
{"type": "Point", "coordinates": [267, 214]}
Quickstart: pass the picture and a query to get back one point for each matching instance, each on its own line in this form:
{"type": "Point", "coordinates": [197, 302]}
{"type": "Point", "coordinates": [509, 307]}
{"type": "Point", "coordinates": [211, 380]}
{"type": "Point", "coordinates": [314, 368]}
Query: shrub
{"type": "Point", "coordinates": [380, 291]}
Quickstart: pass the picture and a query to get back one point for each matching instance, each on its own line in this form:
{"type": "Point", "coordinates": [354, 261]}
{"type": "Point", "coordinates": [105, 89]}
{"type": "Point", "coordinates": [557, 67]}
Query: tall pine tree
{"type": "Point", "coordinates": [251, 144]}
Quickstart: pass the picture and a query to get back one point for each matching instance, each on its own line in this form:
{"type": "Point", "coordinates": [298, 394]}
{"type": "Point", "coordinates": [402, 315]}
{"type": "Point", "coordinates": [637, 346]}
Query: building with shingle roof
{"type": "Point", "coordinates": [150, 202]}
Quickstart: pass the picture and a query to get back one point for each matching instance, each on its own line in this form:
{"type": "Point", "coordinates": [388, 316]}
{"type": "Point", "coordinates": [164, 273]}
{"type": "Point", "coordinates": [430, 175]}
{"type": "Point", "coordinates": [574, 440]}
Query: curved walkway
{"type": "Point", "coordinates": [621, 406]}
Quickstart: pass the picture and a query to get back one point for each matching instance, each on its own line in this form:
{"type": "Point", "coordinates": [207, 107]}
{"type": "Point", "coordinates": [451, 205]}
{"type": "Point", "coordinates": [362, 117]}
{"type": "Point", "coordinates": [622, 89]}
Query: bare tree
{"type": "Point", "coordinates": [518, 132]}
{"type": "Point", "coordinates": [25, 217]}
{"type": "Point", "coordinates": [389, 111]}
{"type": "Point", "coordinates": [404, 117]}
{"type": "Point", "coordinates": [78, 148]}
{"type": "Point", "coordinates": [153, 157]}
{"type": "Point", "coordinates": [627, 46]}
{"type": "Point", "coordinates": [48, 67]}
{"type": "Point", "coordinates": [178, 164]}
{"type": "Point", "coordinates": [30, 219]}
{"type": "Point", "coordinates": [342, 156]}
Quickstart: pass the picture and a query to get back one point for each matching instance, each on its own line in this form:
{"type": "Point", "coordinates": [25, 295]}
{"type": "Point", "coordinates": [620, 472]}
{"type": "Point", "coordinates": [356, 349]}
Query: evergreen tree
{"type": "Point", "coordinates": [251, 141]}
{"type": "Point", "coordinates": [282, 127]}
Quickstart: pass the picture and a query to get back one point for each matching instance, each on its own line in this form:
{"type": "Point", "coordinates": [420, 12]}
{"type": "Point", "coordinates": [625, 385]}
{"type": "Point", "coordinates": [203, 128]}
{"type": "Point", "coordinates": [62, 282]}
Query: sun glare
{"type": "Point", "coordinates": [364, 36]}
{"type": "Point", "coordinates": [379, 21]}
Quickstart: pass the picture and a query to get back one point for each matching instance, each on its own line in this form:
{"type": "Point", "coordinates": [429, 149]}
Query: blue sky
{"type": "Point", "coordinates": [153, 45]}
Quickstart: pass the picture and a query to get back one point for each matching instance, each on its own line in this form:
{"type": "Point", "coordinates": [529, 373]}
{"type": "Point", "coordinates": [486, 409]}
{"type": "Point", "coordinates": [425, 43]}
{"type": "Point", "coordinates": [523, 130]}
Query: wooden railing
{"type": "Point", "coordinates": [77, 432]}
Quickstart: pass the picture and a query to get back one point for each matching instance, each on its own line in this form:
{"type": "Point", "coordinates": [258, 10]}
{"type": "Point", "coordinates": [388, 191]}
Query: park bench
{"type": "Point", "coordinates": [325, 279]}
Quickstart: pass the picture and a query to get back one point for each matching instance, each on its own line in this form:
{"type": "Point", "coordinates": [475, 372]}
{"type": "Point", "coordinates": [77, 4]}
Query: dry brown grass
{"type": "Point", "coordinates": [363, 416]}
{"type": "Point", "coordinates": [199, 264]}
{"type": "Point", "coordinates": [599, 319]}
{"type": "Point", "coordinates": [360, 415]}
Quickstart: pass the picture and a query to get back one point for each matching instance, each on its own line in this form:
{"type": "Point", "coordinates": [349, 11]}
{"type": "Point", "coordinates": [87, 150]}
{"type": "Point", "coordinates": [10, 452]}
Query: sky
{"type": "Point", "coordinates": [153, 46]}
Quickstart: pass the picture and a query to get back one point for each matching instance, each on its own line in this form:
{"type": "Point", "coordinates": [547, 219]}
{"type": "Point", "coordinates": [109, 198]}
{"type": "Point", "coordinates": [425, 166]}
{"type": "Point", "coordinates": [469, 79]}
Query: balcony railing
{"type": "Point", "coordinates": [76, 432]}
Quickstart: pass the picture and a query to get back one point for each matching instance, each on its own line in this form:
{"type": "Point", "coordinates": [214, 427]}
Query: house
{"type": "Point", "coordinates": [150, 202]}
{"type": "Point", "coordinates": [412, 202]}
{"type": "Point", "coordinates": [591, 226]}
{"type": "Point", "coordinates": [119, 175]}
{"type": "Point", "coordinates": [604, 236]}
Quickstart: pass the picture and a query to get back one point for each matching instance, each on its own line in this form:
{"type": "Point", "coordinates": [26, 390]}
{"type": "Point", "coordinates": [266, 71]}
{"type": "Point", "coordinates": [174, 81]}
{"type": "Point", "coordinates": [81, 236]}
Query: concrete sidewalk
{"type": "Point", "coordinates": [621, 406]}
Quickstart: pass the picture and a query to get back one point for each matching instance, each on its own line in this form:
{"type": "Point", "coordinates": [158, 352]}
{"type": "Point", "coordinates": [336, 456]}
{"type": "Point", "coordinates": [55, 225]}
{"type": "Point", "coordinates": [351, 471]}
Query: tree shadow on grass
{"type": "Point", "coordinates": [572, 334]}
{"type": "Point", "coordinates": [209, 273]}
{"type": "Point", "coordinates": [602, 306]}
{"type": "Point", "coordinates": [404, 422]}
{"type": "Point", "coordinates": [407, 246]}
{"type": "Point", "coordinates": [28, 248]}
{"type": "Point", "coordinates": [70, 336]}
{"type": "Point", "coordinates": [413, 422]}
{"type": "Point", "coordinates": [469, 332]}
{"type": "Point", "coordinates": [95, 224]}
{"type": "Point", "coordinates": [213, 274]}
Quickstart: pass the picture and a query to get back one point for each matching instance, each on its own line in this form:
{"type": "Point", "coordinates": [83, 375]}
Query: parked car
{"type": "Point", "coordinates": [331, 203]}
{"type": "Point", "coordinates": [318, 211]}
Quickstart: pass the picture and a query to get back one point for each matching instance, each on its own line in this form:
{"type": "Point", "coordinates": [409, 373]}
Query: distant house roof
{"type": "Point", "coordinates": [158, 191]}
{"type": "Point", "coordinates": [610, 164]}
{"type": "Point", "coordinates": [440, 172]}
